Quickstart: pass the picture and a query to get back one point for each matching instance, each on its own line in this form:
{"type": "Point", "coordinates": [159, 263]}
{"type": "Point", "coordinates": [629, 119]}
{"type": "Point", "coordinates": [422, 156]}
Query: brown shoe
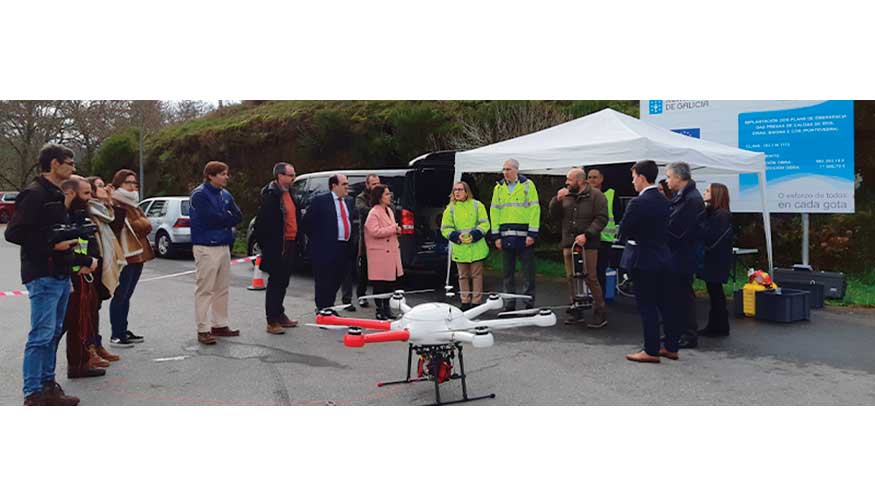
{"type": "Point", "coordinates": [642, 357]}
{"type": "Point", "coordinates": [53, 395]}
{"type": "Point", "coordinates": [599, 320]}
{"type": "Point", "coordinates": [103, 353]}
{"type": "Point", "coordinates": [95, 361]}
{"type": "Point", "coordinates": [35, 399]}
{"type": "Point", "coordinates": [285, 322]}
{"type": "Point", "coordinates": [206, 338]}
{"type": "Point", "coordinates": [224, 332]}
{"type": "Point", "coordinates": [275, 329]}
{"type": "Point", "coordinates": [668, 354]}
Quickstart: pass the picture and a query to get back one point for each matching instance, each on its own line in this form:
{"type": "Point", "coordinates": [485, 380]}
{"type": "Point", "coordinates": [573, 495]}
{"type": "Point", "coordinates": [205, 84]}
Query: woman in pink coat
{"type": "Point", "coordinates": [381, 245]}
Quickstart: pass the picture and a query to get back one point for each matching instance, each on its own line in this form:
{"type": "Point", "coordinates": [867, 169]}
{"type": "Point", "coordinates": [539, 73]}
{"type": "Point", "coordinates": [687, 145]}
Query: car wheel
{"type": "Point", "coordinates": [163, 245]}
{"type": "Point", "coordinates": [4, 218]}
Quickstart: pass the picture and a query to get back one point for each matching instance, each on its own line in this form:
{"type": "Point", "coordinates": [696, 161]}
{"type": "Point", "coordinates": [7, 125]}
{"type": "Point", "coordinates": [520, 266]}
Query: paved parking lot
{"type": "Point", "coordinates": [827, 361]}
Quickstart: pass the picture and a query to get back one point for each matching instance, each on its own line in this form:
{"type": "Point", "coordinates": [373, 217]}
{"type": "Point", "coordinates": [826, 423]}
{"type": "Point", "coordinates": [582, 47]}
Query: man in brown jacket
{"type": "Point", "coordinates": [583, 211]}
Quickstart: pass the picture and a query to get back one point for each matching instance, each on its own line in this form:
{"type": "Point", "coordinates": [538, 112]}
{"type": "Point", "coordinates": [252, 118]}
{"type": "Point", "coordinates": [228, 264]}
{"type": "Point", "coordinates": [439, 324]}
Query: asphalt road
{"type": "Point", "coordinates": [827, 361]}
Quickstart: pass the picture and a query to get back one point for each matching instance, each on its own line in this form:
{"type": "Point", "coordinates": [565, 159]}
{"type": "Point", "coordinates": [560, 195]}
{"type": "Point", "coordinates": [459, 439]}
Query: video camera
{"type": "Point", "coordinates": [80, 227]}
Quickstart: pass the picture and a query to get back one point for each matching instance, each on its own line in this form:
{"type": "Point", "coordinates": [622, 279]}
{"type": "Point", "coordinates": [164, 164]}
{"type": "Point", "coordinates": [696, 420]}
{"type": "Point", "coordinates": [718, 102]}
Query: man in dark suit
{"type": "Point", "coordinates": [329, 225]}
{"type": "Point", "coordinates": [644, 229]}
{"type": "Point", "coordinates": [685, 223]}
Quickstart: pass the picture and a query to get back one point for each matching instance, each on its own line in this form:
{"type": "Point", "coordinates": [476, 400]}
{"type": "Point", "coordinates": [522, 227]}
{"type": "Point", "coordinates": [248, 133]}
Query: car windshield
{"type": "Point", "coordinates": [184, 207]}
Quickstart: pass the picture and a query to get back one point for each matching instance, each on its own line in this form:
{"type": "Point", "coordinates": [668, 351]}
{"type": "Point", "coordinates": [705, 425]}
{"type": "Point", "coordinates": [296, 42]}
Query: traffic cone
{"type": "Point", "coordinates": [257, 278]}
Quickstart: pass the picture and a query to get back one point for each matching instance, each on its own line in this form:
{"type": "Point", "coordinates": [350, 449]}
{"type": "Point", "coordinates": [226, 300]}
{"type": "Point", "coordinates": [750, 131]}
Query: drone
{"type": "Point", "coordinates": [436, 332]}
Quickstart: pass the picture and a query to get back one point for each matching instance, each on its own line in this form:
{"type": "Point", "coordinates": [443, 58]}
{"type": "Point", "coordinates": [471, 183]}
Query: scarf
{"type": "Point", "coordinates": [127, 197]}
{"type": "Point", "coordinates": [110, 249]}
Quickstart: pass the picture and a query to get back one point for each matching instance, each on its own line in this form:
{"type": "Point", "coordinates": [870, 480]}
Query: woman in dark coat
{"type": "Point", "coordinates": [718, 257]}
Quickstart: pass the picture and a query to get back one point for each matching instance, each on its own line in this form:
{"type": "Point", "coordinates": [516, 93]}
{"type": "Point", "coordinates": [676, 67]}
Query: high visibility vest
{"type": "Point", "coordinates": [465, 216]}
{"type": "Point", "coordinates": [81, 249]}
{"type": "Point", "coordinates": [609, 233]}
{"type": "Point", "coordinates": [516, 214]}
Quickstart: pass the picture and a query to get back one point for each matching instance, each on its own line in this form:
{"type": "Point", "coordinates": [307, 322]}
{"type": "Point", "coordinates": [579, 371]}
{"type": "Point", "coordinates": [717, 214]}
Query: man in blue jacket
{"type": "Point", "coordinates": [213, 214]}
{"type": "Point", "coordinates": [646, 256]}
{"type": "Point", "coordinates": [684, 237]}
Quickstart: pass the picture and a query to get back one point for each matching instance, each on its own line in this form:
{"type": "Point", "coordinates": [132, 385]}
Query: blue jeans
{"type": "Point", "coordinates": [48, 306]}
{"type": "Point", "coordinates": [121, 299]}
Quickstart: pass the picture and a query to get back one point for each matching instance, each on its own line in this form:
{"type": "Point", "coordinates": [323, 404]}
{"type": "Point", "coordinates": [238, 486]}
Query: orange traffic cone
{"type": "Point", "coordinates": [257, 279]}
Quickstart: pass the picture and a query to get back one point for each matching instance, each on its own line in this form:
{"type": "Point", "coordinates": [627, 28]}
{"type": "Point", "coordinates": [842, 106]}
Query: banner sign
{"type": "Point", "coordinates": [809, 147]}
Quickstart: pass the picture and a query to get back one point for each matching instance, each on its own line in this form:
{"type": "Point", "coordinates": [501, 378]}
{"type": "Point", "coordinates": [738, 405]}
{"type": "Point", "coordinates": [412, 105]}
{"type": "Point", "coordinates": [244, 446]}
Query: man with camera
{"type": "Point", "coordinates": [47, 261]}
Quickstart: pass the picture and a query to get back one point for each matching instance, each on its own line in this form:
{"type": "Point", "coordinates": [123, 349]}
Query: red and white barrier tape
{"type": "Point", "coordinates": [24, 293]}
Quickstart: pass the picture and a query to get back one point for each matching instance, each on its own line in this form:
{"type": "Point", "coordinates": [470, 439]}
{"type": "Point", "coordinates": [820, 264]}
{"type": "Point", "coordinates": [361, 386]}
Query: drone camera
{"type": "Point", "coordinates": [545, 312]}
{"type": "Point", "coordinates": [328, 312]}
{"type": "Point", "coordinates": [494, 296]}
{"type": "Point", "coordinates": [481, 330]}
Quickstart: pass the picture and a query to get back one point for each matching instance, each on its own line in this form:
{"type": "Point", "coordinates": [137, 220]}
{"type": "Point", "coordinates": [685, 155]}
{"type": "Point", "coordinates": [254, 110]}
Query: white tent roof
{"type": "Point", "coordinates": [603, 138]}
{"type": "Point", "coordinates": [610, 137]}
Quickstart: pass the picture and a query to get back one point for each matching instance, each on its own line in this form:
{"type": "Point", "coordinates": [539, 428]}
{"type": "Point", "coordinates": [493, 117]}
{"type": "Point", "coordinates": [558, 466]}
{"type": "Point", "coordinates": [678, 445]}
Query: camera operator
{"type": "Point", "coordinates": [82, 319]}
{"type": "Point", "coordinates": [46, 265]}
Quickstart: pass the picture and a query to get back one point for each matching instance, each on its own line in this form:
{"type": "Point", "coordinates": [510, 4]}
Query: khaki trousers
{"type": "Point", "coordinates": [213, 266]}
{"type": "Point", "coordinates": [591, 279]}
{"type": "Point", "coordinates": [474, 272]}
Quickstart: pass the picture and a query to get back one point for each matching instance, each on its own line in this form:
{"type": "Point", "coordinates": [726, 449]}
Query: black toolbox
{"type": "Point", "coordinates": [814, 289]}
{"type": "Point", "coordinates": [834, 284]}
{"type": "Point", "coordinates": [783, 305]}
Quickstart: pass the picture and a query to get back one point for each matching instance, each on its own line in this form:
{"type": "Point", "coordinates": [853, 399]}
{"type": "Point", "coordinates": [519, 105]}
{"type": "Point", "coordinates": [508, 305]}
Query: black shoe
{"type": "Point", "coordinates": [688, 342]}
{"type": "Point", "coordinates": [364, 303]}
{"type": "Point", "coordinates": [465, 307]}
{"type": "Point", "coordinates": [137, 339]}
{"type": "Point", "coordinates": [710, 333]}
{"type": "Point", "coordinates": [380, 316]}
{"type": "Point", "coordinates": [86, 372]}
{"type": "Point", "coordinates": [117, 342]}
{"type": "Point", "coordinates": [350, 308]}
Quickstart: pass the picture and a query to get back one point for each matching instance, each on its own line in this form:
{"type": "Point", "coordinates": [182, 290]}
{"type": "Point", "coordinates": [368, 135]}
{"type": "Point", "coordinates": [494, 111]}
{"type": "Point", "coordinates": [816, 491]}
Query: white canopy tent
{"type": "Point", "coordinates": [609, 137]}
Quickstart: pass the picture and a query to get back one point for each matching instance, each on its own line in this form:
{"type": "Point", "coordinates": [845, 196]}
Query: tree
{"type": "Point", "coordinates": [91, 122]}
{"type": "Point", "coordinates": [183, 111]}
{"type": "Point", "coordinates": [501, 120]}
{"type": "Point", "coordinates": [25, 126]}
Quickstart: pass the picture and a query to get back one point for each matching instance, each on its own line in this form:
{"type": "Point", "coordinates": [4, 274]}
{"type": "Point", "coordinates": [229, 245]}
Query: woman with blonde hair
{"type": "Point", "coordinates": [465, 223]}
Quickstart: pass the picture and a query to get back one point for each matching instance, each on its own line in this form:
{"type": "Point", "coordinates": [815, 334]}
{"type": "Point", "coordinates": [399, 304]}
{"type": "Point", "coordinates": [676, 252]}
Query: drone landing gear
{"type": "Point", "coordinates": [436, 364]}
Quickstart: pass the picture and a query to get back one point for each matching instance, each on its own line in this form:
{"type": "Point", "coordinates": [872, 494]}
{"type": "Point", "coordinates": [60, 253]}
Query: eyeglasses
{"type": "Point", "coordinates": [458, 189]}
{"type": "Point", "coordinates": [69, 162]}
{"type": "Point", "coordinates": [287, 175]}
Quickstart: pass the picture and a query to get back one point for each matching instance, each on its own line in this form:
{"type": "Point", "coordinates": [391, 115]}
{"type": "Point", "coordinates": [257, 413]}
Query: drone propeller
{"type": "Point", "coordinates": [388, 295]}
{"type": "Point", "coordinates": [327, 327]}
{"type": "Point", "coordinates": [341, 307]}
{"type": "Point", "coordinates": [503, 295]}
{"type": "Point", "coordinates": [529, 312]}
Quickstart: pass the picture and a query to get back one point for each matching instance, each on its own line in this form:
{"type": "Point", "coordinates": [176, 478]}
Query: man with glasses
{"type": "Point", "coordinates": [276, 231]}
{"type": "Point", "coordinates": [328, 224]}
{"type": "Point", "coordinates": [46, 266]}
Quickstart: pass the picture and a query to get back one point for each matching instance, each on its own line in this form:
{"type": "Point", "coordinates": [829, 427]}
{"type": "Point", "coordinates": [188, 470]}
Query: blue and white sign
{"type": "Point", "coordinates": [809, 147]}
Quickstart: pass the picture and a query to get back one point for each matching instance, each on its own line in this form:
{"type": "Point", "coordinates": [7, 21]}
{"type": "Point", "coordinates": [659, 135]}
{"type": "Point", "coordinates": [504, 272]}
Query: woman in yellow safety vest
{"type": "Point", "coordinates": [465, 223]}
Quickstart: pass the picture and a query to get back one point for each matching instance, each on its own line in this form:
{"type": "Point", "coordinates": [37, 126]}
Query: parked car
{"type": "Point", "coordinates": [171, 226]}
{"type": "Point", "coordinates": [420, 196]}
{"type": "Point", "coordinates": [7, 206]}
